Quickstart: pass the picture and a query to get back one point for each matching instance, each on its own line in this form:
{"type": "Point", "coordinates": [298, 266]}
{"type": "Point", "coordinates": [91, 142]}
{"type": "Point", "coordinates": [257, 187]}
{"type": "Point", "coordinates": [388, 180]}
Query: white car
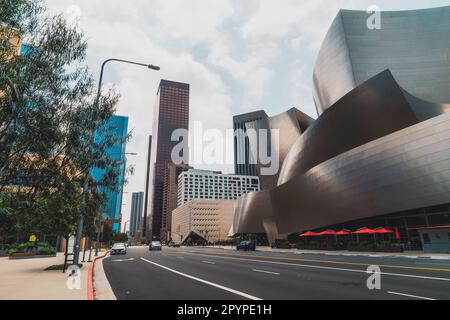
{"type": "Point", "coordinates": [118, 248]}
{"type": "Point", "coordinates": [155, 246]}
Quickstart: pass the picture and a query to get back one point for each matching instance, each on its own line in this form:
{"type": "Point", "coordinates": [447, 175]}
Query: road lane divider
{"type": "Point", "coordinates": [328, 268]}
{"type": "Point", "coordinates": [212, 284]}
{"type": "Point", "coordinates": [409, 295]}
{"type": "Point", "coordinates": [208, 262]}
{"type": "Point", "coordinates": [268, 272]}
{"type": "Point", "coordinates": [261, 258]}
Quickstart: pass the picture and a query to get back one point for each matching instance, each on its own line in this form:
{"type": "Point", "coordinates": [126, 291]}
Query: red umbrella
{"type": "Point", "coordinates": [383, 231]}
{"type": "Point", "coordinates": [343, 233]}
{"type": "Point", "coordinates": [365, 231]}
{"type": "Point", "coordinates": [309, 234]}
{"type": "Point", "coordinates": [327, 233]}
{"type": "Point", "coordinates": [397, 234]}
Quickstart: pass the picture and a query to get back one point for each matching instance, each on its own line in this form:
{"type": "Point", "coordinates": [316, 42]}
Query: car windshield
{"type": "Point", "coordinates": [156, 243]}
{"type": "Point", "coordinates": [118, 246]}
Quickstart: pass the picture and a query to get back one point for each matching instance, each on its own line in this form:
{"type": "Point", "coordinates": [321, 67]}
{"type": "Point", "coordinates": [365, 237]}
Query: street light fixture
{"type": "Point", "coordinates": [86, 182]}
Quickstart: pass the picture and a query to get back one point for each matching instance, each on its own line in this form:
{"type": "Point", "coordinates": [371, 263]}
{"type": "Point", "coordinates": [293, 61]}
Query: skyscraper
{"type": "Point", "coordinates": [243, 165]}
{"type": "Point", "coordinates": [137, 204]}
{"type": "Point", "coordinates": [112, 210]}
{"type": "Point", "coordinates": [171, 113]}
{"type": "Point", "coordinates": [145, 222]}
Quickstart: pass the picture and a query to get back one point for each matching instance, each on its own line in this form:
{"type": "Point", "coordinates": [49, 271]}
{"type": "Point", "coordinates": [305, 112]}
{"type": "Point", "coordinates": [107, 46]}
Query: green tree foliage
{"type": "Point", "coordinates": [120, 237]}
{"type": "Point", "coordinates": [48, 112]}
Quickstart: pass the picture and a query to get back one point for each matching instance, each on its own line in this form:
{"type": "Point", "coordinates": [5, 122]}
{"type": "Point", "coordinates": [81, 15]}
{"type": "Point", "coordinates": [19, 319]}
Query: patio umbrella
{"type": "Point", "coordinates": [329, 233]}
{"type": "Point", "coordinates": [364, 231]}
{"type": "Point", "coordinates": [383, 231]}
{"type": "Point", "coordinates": [343, 233]}
{"type": "Point", "coordinates": [309, 234]}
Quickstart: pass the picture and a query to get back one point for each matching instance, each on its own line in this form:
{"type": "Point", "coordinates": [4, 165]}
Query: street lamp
{"type": "Point", "coordinates": [86, 182]}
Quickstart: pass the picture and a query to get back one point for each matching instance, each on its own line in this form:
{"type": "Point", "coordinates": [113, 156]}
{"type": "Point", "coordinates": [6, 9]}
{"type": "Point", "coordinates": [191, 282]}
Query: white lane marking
{"type": "Point", "coordinates": [410, 296]}
{"type": "Point", "coordinates": [268, 272]}
{"type": "Point", "coordinates": [327, 268]}
{"type": "Point", "coordinates": [123, 260]}
{"type": "Point", "coordinates": [239, 293]}
{"type": "Point", "coordinates": [208, 262]}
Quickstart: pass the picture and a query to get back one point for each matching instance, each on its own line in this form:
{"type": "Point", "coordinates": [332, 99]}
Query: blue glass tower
{"type": "Point", "coordinates": [112, 210]}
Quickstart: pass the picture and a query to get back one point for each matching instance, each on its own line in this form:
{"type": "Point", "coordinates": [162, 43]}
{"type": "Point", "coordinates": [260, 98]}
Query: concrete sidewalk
{"type": "Point", "coordinates": [408, 254]}
{"type": "Point", "coordinates": [25, 279]}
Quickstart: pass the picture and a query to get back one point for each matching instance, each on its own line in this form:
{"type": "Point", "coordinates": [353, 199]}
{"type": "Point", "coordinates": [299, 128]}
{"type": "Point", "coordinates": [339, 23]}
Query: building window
{"type": "Point", "coordinates": [426, 238]}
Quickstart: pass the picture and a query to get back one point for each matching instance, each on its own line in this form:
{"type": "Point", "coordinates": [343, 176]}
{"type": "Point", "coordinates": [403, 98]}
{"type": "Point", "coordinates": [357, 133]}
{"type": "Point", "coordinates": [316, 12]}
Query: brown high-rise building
{"type": "Point", "coordinates": [171, 113]}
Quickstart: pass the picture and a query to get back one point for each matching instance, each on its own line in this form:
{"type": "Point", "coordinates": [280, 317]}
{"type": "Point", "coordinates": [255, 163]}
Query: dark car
{"type": "Point", "coordinates": [246, 246]}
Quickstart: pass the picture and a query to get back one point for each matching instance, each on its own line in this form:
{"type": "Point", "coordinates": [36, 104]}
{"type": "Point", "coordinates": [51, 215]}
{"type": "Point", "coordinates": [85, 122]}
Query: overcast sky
{"type": "Point", "coordinates": [238, 56]}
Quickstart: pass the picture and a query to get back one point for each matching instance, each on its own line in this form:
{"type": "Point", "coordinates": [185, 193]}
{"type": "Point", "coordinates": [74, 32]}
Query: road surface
{"type": "Point", "coordinates": [220, 274]}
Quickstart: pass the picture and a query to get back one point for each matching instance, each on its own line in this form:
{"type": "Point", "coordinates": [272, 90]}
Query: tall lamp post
{"type": "Point", "coordinates": [86, 182]}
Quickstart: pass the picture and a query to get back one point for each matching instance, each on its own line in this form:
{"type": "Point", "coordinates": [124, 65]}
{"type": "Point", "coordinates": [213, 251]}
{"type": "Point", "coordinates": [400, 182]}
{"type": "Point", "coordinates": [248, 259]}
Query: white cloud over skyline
{"type": "Point", "coordinates": [238, 56]}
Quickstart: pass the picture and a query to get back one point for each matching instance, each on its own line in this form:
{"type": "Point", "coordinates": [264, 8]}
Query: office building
{"type": "Point", "coordinates": [171, 113]}
{"type": "Point", "coordinates": [170, 191]}
{"type": "Point", "coordinates": [244, 164]}
{"type": "Point", "coordinates": [209, 220]}
{"type": "Point", "coordinates": [137, 205]}
{"type": "Point", "coordinates": [112, 209]}
{"type": "Point", "coordinates": [209, 185]}
{"type": "Point", "coordinates": [146, 221]}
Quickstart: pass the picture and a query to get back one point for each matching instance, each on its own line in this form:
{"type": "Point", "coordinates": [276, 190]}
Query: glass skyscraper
{"type": "Point", "coordinates": [112, 209]}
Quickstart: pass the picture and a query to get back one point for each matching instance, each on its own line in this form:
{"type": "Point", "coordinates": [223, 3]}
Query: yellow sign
{"type": "Point", "coordinates": [33, 238]}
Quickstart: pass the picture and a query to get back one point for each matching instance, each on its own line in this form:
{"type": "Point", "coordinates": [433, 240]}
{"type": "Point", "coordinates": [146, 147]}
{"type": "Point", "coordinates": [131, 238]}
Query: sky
{"type": "Point", "coordinates": [238, 56]}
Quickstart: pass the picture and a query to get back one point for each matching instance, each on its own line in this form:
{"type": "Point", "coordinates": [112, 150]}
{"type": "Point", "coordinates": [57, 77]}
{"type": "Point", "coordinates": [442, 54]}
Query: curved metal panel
{"type": "Point", "coordinates": [405, 170]}
{"type": "Point", "coordinates": [290, 125]}
{"type": "Point", "coordinates": [412, 44]}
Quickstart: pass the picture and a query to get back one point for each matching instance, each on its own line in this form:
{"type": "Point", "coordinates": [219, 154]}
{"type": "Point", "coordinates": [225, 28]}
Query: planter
{"type": "Point", "coordinates": [31, 255]}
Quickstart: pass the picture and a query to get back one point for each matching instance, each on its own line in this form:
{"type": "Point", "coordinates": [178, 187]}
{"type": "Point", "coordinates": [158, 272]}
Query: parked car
{"type": "Point", "coordinates": [155, 246]}
{"type": "Point", "coordinates": [118, 248]}
{"type": "Point", "coordinates": [246, 246]}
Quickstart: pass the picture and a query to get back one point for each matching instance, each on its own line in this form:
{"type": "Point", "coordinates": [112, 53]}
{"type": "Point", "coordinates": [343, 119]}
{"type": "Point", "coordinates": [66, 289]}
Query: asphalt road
{"type": "Point", "coordinates": [218, 274]}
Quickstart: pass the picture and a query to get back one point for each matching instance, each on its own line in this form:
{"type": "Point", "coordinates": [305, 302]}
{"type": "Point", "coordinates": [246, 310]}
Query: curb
{"type": "Point", "coordinates": [90, 284]}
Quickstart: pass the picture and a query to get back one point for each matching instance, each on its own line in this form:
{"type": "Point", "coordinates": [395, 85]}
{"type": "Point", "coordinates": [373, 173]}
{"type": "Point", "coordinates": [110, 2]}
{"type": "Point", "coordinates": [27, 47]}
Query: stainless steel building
{"type": "Point", "coordinates": [379, 153]}
{"type": "Point", "coordinates": [413, 45]}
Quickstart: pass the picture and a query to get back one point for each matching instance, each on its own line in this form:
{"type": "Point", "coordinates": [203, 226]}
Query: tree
{"type": "Point", "coordinates": [120, 237]}
{"type": "Point", "coordinates": [48, 114]}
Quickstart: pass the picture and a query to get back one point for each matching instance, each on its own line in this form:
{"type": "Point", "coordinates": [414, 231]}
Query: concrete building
{"type": "Point", "coordinates": [171, 113]}
{"type": "Point", "coordinates": [209, 219]}
{"type": "Point", "coordinates": [209, 185]}
{"type": "Point", "coordinates": [137, 204]}
{"type": "Point", "coordinates": [170, 191]}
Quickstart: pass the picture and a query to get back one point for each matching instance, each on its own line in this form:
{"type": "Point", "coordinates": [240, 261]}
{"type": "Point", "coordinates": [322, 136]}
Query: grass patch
{"type": "Point", "coordinates": [59, 267]}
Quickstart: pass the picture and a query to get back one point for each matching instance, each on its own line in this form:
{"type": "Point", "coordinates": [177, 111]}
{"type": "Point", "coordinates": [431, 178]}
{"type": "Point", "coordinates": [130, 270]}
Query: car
{"type": "Point", "coordinates": [246, 246]}
{"type": "Point", "coordinates": [118, 248]}
{"type": "Point", "coordinates": [155, 246]}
